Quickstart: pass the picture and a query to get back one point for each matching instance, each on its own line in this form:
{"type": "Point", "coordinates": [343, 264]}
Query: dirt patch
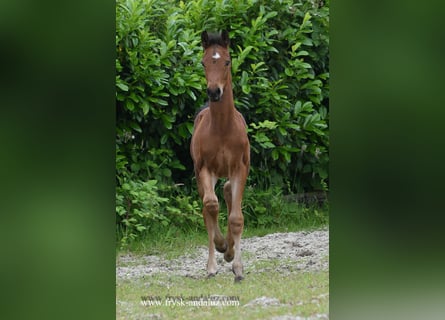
{"type": "Point", "coordinates": [284, 252]}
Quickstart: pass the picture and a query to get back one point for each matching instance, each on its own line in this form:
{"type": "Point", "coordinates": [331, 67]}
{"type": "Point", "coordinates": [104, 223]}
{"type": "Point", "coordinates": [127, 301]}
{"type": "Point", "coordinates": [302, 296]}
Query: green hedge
{"type": "Point", "coordinates": [280, 67]}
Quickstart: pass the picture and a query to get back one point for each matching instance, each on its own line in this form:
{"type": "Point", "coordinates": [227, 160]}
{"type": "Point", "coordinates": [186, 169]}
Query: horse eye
{"type": "Point", "coordinates": [227, 62]}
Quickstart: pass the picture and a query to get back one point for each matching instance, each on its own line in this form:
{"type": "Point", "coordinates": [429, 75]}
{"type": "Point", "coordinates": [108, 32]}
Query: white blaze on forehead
{"type": "Point", "coordinates": [216, 55]}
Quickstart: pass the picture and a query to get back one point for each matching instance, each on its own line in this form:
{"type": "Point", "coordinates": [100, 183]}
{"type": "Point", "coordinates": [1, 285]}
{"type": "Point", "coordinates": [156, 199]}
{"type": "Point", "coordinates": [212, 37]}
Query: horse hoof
{"type": "Point", "coordinates": [228, 256]}
{"type": "Point", "coordinates": [223, 248]}
{"type": "Point", "coordinates": [238, 279]}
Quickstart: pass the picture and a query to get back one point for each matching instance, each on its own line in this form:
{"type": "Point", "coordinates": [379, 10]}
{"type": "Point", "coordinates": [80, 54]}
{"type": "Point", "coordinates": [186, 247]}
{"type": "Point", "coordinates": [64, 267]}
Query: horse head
{"type": "Point", "coordinates": [216, 62]}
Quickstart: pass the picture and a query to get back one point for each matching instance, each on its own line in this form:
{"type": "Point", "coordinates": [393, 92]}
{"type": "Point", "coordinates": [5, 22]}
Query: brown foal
{"type": "Point", "coordinates": [220, 149]}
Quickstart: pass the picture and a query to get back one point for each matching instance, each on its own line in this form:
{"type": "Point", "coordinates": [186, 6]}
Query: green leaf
{"type": "Point", "coordinates": [122, 86]}
{"type": "Point", "coordinates": [287, 156]}
{"type": "Point", "coordinates": [267, 145]}
{"type": "Point", "coordinates": [282, 131]}
{"type": "Point", "coordinates": [261, 137]}
{"type": "Point", "coordinates": [236, 62]}
{"type": "Point", "coordinates": [191, 94]}
{"type": "Point", "coordinates": [270, 15]}
{"type": "Point", "coordinates": [135, 167]}
{"type": "Point", "coordinates": [323, 173]}
{"type": "Point", "coordinates": [140, 227]}
{"type": "Point", "coordinates": [145, 108]}
{"type": "Point", "coordinates": [302, 53]}
{"type": "Point", "coordinates": [307, 106]}
{"type": "Point", "coordinates": [129, 105]}
{"type": "Point", "coordinates": [267, 124]}
{"type": "Point", "coordinates": [308, 42]}
{"type": "Point", "coordinates": [244, 77]}
{"type": "Point", "coordinates": [136, 127]}
{"type": "Point", "coordinates": [306, 18]}
{"type": "Point", "coordinates": [295, 46]}
{"type": "Point", "coordinates": [166, 172]}
{"type": "Point", "coordinates": [289, 72]}
{"type": "Point", "coordinates": [275, 154]}
{"type": "Point", "coordinates": [189, 127]}
{"type": "Point", "coordinates": [151, 183]}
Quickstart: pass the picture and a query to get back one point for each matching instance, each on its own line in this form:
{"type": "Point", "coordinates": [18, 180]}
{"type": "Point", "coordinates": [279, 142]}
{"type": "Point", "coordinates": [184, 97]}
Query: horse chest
{"type": "Point", "coordinates": [221, 156]}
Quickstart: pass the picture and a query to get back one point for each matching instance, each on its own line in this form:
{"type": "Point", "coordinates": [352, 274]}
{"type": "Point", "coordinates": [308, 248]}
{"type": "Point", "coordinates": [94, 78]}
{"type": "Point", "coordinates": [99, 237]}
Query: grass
{"type": "Point", "coordinates": [299, 293]}
{"type": "Point", "coordinates": [173, 242]}
{"type": "Point", "coordinates": [173, 246]}
{"type": "Point", "coordinates": [302, 294]}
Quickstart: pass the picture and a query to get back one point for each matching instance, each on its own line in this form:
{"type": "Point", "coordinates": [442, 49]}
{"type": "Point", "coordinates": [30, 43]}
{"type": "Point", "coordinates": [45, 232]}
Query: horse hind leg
{"type": "Point", "coordinates": [219, 240]}
{"type": "Point", "coordinates": [236, 224]}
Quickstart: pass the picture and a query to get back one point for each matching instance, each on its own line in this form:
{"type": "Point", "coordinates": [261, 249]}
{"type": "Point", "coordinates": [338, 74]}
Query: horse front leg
{"type": "Point", "coordinates": [210, 211]}
{"type": "Point", "coordinates": [228, 255]}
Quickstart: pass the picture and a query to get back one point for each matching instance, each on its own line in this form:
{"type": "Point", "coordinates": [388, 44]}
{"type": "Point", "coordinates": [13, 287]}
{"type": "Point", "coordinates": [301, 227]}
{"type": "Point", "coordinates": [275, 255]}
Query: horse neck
{"type": "Point", "coordinates": [222, 112]}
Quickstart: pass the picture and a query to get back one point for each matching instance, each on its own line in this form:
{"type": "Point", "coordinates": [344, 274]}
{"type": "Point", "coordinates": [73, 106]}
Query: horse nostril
{"type": "Point", "coordinates": [214, 93]}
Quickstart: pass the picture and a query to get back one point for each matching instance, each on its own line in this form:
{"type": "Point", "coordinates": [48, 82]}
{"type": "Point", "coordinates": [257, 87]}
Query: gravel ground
{"type": "Point", "coordinates": [284, 252]}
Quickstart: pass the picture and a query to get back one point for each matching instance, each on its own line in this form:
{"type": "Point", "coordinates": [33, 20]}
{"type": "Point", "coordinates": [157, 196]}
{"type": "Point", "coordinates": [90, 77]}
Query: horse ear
{"type": "Point", "coordinates": [225, 38]}
{"type": "Point", "coordinates": [204, 39]}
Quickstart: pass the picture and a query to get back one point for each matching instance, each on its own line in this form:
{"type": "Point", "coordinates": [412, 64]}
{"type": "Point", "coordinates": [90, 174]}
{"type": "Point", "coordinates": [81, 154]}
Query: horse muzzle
{"type": "Point", "coordinates": [214, 94]}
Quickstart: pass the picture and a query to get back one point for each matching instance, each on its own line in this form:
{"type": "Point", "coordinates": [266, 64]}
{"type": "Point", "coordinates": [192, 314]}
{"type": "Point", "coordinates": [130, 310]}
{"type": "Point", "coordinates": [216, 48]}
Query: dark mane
{"type": "Point", "coordinates": [215, 38]}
